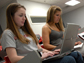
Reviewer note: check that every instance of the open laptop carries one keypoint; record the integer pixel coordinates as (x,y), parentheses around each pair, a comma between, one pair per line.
(31,57)
(68,43)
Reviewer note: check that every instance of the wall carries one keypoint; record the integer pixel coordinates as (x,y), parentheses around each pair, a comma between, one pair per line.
(3,15)
(75,16)
(35,9)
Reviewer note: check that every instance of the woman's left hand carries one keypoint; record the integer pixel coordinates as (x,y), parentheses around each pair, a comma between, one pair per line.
(79,42)
(56,51)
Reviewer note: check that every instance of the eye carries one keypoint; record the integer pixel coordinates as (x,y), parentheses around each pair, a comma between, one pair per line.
(57,15)
(20,15)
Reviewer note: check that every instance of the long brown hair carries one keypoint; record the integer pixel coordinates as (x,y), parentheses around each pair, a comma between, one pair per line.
(50,17)
(10,11)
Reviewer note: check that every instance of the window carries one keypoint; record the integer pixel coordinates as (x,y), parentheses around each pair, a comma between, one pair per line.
(38,19)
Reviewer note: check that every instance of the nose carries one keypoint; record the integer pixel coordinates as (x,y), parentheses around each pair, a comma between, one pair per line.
(59,17)
(24,17)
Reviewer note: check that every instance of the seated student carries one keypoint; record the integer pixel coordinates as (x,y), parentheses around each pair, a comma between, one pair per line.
(18,38)
(52,31)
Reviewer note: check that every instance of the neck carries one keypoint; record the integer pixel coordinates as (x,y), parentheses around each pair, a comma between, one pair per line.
(51,24)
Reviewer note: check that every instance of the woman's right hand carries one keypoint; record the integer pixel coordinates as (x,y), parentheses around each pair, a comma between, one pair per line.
(47,54)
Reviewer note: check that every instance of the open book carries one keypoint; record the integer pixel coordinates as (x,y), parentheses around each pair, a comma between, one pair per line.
(81,35)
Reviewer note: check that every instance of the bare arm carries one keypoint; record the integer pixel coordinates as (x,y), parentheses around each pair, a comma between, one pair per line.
(12,55)
(45,38)
(39,47)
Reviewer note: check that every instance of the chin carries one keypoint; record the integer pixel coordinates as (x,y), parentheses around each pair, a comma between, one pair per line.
(56,21)
(22,25)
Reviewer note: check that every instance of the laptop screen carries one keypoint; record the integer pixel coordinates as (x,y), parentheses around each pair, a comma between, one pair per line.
(69,37)
(0,30)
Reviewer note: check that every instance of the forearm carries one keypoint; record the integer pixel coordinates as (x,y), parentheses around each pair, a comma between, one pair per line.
(49,46)
(44,50)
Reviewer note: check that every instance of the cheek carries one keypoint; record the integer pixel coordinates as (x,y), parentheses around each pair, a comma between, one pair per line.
(55,18)
(16,20)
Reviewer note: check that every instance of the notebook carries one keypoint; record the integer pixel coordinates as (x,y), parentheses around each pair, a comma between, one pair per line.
(68,42)
(81,35)
(78,46)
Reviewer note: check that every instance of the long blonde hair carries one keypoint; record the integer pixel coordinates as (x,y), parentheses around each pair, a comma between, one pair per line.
(50,17)
(10,11)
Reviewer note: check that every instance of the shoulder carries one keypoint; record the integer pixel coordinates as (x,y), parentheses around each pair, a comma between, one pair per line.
(7,32)
(45,27)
